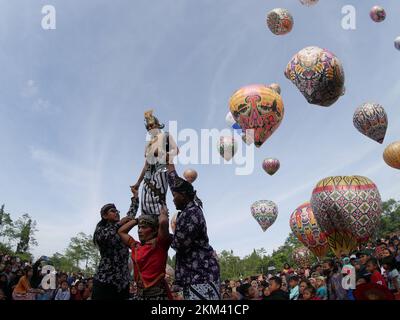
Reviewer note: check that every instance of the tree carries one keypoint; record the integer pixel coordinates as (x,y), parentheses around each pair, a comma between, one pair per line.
(82,249)
(7,228)
(390,219)
(25,229)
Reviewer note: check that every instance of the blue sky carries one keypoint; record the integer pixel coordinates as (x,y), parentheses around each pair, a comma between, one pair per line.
(72,103)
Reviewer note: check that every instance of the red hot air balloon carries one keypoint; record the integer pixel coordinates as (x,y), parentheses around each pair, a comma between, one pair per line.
(271,165)
(306,229)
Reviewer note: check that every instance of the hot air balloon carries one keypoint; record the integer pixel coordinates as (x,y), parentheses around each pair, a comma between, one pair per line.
(265,212)
(371,120)
(348,210)
(308,3)
(318,74)
(257,107)
(271,165)
(190,175)
(302,257)
(280,21)
(391,155)
(377,14)
(227,147)
(276,87)
(306,229)
(397,43)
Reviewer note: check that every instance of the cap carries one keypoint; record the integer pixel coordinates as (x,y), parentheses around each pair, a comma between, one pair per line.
(353,256)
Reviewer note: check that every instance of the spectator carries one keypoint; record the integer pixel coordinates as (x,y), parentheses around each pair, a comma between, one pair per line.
(294,287)
(275,291)
(63,292)
(334,281)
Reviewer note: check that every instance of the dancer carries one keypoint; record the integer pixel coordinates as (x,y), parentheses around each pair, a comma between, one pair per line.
(154,172)
(197,269)
(150,254)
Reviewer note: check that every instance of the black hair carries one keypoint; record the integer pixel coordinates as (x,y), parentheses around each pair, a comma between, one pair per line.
(294,278)
(390,261)
(374,261)
(286,264)
(277,280)
(311,289)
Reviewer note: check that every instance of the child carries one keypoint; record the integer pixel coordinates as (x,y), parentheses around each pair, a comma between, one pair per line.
(310,293)
(63,292)
(322,291)
(294,287)
(374,270)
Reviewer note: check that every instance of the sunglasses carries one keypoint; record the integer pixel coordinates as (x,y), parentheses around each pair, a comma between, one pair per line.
(114,210)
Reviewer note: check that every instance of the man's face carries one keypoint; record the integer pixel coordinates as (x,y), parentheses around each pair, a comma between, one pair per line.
(363,259)
(326,268)
(64,286)
(146,233)
(112,215)
(179,201)
(273,286)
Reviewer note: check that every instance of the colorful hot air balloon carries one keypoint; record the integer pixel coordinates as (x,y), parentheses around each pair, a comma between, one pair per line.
(271,165)
(347,209)
(276,87)
(265,212)
(280,21)
(308,3)
(391,155)
(302,257)
(371,120)
(257,107)
(318,74)
(377,14)
(306,229)
(227,147)
(397,43)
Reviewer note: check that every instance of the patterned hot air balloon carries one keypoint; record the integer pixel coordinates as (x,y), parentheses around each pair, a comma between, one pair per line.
(397,43)
(302,257)
(271,165)
(377,14)
(276,87)
(347,209)
(391,155)
(308,3)
(371,120)
(306,229)
(265,212)
(280,21)
(227,147)
(318,74)
(257,107)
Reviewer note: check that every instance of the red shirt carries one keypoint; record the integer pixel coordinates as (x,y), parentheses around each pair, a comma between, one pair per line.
(377,278)
(149,260)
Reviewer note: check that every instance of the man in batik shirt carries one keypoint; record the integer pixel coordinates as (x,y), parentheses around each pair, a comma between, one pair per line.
(196,269)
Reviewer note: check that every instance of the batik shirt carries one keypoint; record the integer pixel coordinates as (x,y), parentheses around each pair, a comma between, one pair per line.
(113,267)
(335,289)
(196,262)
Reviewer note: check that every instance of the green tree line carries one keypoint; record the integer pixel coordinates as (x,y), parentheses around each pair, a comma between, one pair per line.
(18,238)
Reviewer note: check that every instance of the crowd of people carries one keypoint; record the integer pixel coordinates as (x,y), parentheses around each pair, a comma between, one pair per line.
(370,272)
(21,280)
